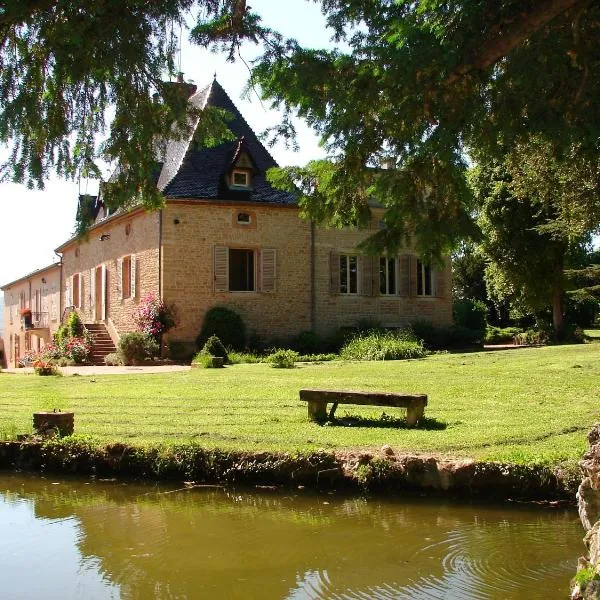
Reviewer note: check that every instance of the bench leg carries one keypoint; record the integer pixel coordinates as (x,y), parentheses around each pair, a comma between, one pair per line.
(413,414)
(317,411)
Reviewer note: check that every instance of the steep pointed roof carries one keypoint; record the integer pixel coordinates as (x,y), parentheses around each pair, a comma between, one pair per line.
(193,173)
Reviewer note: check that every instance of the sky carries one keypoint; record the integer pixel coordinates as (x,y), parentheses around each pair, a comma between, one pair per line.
(34,222)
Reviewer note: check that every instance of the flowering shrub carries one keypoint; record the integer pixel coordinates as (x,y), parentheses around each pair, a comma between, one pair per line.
(77,349)
(153,317)
(42,367)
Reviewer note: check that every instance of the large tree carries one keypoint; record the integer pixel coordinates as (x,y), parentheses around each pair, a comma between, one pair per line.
(537,215)
(418,86)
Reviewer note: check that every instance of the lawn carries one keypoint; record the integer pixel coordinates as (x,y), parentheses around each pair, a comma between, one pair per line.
(524,405)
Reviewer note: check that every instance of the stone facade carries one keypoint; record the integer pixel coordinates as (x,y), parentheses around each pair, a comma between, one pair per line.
(40,293)
(93,269)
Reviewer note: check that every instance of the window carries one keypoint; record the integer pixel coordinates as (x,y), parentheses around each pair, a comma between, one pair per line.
(387,276)
(244,218)
(348,274)
(241,270)
(126,277)
(424,279)
(240,178)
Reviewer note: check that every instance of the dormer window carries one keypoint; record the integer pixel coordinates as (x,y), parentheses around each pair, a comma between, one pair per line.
(240,178)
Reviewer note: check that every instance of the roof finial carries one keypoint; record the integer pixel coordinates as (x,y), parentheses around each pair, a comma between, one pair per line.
(215,76)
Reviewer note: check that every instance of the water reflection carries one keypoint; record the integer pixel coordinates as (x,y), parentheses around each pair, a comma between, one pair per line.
(91,539)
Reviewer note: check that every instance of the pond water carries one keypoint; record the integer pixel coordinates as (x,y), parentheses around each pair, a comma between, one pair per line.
(72,538)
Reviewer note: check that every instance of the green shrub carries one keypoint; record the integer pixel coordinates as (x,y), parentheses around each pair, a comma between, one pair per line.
(501,335)
(136,347)
(113,359)
(307,342)
(207,361)
(282,359)
(318,357)
(74,326)
(214,347)
(378,345)
(440,337)
(181,351)
(470,314)
(532,337)
(226,324)
(236,358)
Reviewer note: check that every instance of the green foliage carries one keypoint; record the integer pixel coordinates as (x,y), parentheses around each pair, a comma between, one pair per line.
(470,314)
(501,335)
(307,342)
(214,347)
(236,358)
(440,337)
(135,348)
(181,351)
(207,361)
(113,359)
(282,359)
(532,337)
(585,576)
(380,345)
(226,324)
(74,325)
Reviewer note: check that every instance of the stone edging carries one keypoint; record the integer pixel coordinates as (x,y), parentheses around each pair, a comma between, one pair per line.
(376,472)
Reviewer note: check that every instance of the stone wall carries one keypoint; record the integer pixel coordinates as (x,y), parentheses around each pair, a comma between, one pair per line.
(193,231)
(40,292)
(135,234)
(587,583)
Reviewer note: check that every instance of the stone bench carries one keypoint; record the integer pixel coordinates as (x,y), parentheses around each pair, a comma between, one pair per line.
(318,399)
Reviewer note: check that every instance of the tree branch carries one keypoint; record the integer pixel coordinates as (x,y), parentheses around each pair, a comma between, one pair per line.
(508,39)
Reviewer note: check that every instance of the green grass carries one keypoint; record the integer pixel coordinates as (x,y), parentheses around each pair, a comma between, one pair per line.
(525,405)
(593,334)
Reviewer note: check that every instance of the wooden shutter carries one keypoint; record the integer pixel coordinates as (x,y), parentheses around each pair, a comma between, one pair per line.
(133,275)
(104,274)
(81,290)
(268,270)
(334,273)
(221,268)
(119,281)
(92,294)
(404,275)
(68,301)
(365,275)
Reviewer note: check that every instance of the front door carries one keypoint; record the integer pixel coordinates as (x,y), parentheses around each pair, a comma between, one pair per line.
(99,300)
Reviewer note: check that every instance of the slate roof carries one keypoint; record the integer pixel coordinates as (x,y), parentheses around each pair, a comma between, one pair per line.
(192,173)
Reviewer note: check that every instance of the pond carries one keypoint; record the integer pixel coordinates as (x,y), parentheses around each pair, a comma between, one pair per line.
(66,538)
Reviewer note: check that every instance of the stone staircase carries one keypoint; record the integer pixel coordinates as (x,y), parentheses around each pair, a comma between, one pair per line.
(102,343)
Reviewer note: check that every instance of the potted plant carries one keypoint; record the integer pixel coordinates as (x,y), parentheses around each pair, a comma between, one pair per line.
(44,368)
(26,318)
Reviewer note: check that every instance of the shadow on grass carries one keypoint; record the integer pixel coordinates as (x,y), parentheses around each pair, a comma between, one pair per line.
(386,421)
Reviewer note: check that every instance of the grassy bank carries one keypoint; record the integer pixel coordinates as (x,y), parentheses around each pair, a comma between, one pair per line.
(524,406)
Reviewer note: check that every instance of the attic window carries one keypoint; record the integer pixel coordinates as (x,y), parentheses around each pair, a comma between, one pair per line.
(244,219)
(240,178)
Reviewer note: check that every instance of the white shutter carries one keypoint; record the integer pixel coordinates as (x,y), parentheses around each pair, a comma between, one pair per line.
(120,278)
(80,290)
(221,269)
(268,270)
(92,294)
(133,274)
(68,293)
(103,316)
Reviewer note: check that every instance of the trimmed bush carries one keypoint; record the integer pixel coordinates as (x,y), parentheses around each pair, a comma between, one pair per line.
(436,337)
(226,324)
(282,359)
(214,347)
(532,337)
(136,347)
(74,325)
(113,359)
(379,345)
(501,335)
(470,314)
(307,342)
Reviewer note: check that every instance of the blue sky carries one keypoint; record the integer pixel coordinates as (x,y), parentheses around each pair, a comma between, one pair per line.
(34,222)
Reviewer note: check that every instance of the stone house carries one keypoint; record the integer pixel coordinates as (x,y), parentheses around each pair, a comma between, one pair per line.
(226,237)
